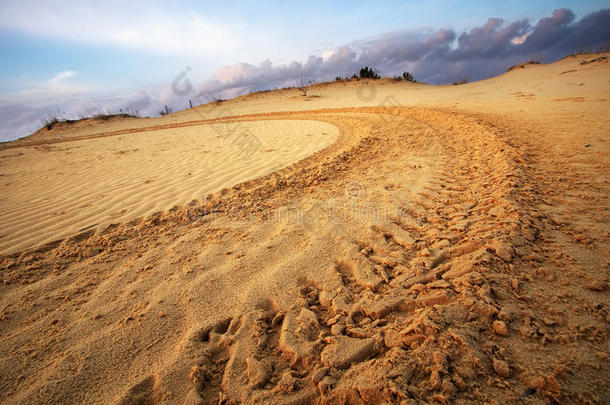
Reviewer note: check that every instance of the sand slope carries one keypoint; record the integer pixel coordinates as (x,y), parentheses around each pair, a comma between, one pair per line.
(54,190)
(451,244)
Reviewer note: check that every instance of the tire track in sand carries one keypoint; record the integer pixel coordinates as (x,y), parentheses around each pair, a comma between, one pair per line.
(398,290)
(397,312)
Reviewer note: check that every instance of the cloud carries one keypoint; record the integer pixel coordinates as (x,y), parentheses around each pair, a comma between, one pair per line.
(58,79)
(56,87)
(21,112)
(434,56)
(131,25)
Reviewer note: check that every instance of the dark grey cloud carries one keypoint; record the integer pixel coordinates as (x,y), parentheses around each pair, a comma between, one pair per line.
(558,35)
(551,30)
(434,56)
(489,41)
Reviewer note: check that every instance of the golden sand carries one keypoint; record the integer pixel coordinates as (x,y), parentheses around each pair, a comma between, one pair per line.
(387,242)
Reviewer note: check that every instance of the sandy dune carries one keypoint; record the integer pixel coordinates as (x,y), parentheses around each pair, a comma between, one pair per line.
(52,191)
(388,242)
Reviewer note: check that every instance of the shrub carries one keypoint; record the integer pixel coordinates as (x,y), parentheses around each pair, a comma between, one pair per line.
(303,85)
(369,73)
(49,121)
(121,114)
(408,77)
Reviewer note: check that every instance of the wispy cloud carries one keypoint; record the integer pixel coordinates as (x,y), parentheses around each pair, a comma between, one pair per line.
(59,79)
(56,87)
(132,25)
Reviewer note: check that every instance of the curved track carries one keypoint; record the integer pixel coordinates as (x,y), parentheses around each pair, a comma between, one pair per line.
(393,279)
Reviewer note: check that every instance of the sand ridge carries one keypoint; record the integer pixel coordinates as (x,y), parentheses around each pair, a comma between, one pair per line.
(428,254)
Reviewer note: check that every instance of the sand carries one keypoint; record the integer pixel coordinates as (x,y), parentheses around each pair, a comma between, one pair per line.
(52,191)
(387,242)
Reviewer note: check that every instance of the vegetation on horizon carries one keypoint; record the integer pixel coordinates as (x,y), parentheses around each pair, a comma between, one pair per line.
(303,85)
(50,120)
(406,76)
(372,73)
(369,73)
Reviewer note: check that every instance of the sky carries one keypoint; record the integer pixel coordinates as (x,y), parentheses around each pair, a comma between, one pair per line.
(76,58)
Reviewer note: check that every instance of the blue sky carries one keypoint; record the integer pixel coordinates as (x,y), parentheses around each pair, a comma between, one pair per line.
(55,52)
